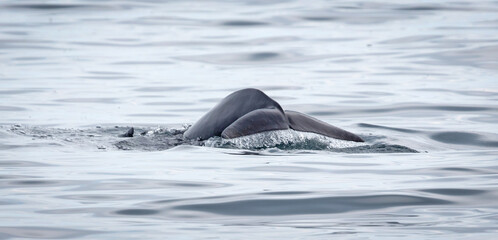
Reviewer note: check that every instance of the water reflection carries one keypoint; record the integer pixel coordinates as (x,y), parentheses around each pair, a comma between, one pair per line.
(324,205)
(42,232)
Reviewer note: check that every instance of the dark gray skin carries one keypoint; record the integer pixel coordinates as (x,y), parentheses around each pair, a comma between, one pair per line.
(249,111)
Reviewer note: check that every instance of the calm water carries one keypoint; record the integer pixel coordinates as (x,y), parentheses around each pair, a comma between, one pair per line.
(420,76)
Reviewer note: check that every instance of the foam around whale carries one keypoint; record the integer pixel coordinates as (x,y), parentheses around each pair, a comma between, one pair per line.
(283,139)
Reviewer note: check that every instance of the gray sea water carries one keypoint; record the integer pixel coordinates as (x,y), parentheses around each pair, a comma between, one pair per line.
(418,80)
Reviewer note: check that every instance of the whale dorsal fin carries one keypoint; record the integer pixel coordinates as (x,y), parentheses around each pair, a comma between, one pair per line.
(304,123)
(261,120)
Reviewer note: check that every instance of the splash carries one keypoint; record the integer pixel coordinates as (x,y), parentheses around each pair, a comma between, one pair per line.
(283,139)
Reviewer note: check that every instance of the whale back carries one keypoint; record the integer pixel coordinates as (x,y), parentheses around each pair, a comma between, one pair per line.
(260,120)
(304,123)
(231,108)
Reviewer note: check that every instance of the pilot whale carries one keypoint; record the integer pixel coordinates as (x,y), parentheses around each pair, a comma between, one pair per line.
(249,111)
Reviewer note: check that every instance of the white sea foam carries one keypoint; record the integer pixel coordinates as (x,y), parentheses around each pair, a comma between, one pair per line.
(284,139)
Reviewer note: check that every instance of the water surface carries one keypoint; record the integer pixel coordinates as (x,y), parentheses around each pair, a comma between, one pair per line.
(417,80)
